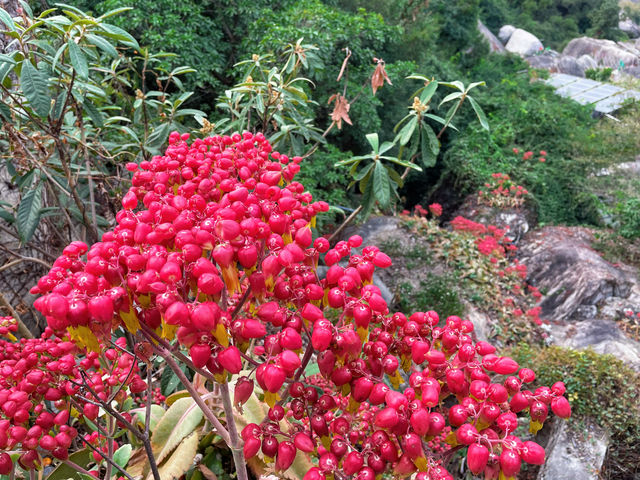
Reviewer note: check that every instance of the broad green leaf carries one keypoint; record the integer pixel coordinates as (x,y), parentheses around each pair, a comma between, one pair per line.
(418,77)
(113,12)
(94,113)
(405,134)
(386,146)
(368,201)
(428,92)
(34,86)
(7,216)
(122,456)
(475,84)
(156,414)
(168,381)
(158,136)
(57,56)
(428,158)
(457,84)
(395,177)
(403,163)
(121,35)
(351,160)
(102,44)
(381,185)
(83,457)
(372,138)
(7,20)
(181,460)
(28,215)
(362,173)
(434,143)
(440,120)
(480,113)
(179,420)
(6,58)
(78,59)
(26,8)
(59,104)
(451,96)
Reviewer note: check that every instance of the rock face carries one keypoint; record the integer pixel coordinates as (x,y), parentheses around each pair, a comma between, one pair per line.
(523,43)
(561,262)
(630,28)
(572,455)
(587,62)
(606,53)
(494,43)
(505,33)
(570,66)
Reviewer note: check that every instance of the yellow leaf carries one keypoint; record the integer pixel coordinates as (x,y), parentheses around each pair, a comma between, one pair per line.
(181,460)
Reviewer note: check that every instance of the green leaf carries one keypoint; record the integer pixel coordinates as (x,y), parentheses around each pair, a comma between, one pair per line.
(83,457)
(395,177)
(28,215)
(122,456)
(7,59)
(7,20)
(168,381)
(78,59)
(372,138)
(403,163)
(386,146)
(26,8)
(94,113)
(363,173)
(428,92)
(179,420)
(34,86)
(428,158)
(181,460)
(451,96)
(121,35)
(158,136)
(7,216)
(480,113)
(368,200)
(58,105)
(102,44)
(113,12)
(457,84)
(381,185)
(475,84)
(406,132)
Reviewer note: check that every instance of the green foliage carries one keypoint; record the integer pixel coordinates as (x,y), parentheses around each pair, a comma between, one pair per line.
(598,386)
(74,106)
(629,218)
(599,74)
(437,292)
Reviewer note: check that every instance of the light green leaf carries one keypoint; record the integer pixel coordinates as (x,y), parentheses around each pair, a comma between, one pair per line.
(158,136)
(113,12)
(78,59)
(94,113)
(428,92)
(381,185)
(7,20)
(28,215)
(403,163)
(475,84)
(179,420)
(181,460)
(102,44)
(405,134)
(121,35)
(122,456)
(372,138)
(457,84)
(480,113)
(428,158)
(83,457)
(364,172)
(386,146)
(395,177)
(34,86)
(7,59)
(451,96)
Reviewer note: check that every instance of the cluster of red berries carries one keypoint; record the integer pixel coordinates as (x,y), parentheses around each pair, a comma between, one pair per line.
(529,154)
(214,248)
(42,382)
(157,397)
(502,192)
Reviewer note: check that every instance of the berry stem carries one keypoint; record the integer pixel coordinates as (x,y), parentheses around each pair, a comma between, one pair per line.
(236,443)
(196,396)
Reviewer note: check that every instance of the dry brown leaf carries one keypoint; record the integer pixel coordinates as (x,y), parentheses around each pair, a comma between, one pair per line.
(344,63)
(207,473)
(340,110)
(379,75)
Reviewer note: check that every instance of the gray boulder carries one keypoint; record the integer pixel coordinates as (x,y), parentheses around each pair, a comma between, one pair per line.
(570,66)
(505,33)
(629,27)
(547,60)
(494,44)
(561,262)
(573,454)
(587,62)
(606,53)
(523,43)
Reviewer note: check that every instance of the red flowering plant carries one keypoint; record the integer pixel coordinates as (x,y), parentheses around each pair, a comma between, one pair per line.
(483,258)
(213,266)
(502,192)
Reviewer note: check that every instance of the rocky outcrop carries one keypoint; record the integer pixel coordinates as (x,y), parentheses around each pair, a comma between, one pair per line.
(561,263)
(629,27)
(505,33)
(606,53)
(575,455)
(494,44)
(523,43)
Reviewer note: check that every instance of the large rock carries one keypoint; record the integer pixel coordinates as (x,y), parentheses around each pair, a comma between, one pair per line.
(547,60)
(505,33)
(570,66)
(586,62)
(629,27)
(494,44)
(575,454)
(523,43)
(561,263)
(606,53)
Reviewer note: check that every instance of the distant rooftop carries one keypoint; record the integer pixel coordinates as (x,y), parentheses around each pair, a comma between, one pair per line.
(604,97)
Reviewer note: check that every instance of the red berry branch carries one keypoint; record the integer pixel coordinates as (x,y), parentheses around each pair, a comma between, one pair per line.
(213,253)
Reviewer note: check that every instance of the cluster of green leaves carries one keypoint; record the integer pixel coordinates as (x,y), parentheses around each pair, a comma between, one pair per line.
(599,74)
(436,292)
(75,106)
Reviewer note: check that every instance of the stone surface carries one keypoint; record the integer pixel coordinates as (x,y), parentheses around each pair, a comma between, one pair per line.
(606,53)
(494,44)
(575,455)
(505,33)
(587,62)
(561,263)
(547,60)
(523,43)
(629,27)
(570,66)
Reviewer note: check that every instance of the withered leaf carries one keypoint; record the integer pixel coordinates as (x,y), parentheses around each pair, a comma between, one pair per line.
(379,75)
(344,63)
(340,110)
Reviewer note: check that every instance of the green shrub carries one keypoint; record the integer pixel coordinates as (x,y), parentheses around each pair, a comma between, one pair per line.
(629,218)
(599,74)
(437,292)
